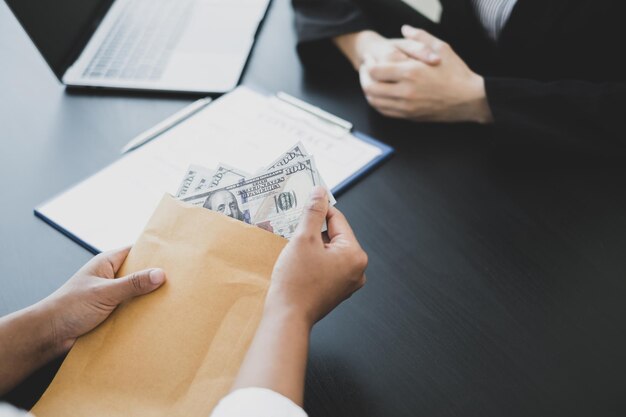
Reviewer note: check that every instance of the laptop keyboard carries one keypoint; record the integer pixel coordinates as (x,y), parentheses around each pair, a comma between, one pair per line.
(140,42)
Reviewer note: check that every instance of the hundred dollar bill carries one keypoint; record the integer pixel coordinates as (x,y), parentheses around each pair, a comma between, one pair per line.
(223,176)
(294,154)
(273,201)
(202,182)
(281,210)
(298,153)
(194,177)
(226,175)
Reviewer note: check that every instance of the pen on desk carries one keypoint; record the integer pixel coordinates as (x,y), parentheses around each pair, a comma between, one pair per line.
(166,124)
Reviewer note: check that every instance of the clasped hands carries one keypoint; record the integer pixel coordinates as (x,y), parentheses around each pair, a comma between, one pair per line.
(418,77)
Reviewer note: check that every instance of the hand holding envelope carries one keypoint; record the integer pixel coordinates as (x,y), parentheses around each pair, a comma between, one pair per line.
(174,352)
(177,351)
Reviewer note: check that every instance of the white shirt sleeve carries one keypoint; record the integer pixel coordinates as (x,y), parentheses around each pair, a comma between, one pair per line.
(7,410)
(247,402)
(257,402)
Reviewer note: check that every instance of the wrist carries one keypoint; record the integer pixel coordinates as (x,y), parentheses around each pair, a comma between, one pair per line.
(54,340)
(355,45)
(40,340)
(283,314)
(479,110)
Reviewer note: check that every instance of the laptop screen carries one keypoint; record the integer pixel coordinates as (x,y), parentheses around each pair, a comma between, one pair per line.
(59,28)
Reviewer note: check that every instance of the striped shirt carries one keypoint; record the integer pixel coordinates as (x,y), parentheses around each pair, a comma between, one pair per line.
(493,14)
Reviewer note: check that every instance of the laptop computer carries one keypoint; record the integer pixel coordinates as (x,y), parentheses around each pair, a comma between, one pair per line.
(165,45)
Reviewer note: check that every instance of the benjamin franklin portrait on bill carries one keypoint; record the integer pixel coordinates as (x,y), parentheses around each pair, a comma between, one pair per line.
(223,201)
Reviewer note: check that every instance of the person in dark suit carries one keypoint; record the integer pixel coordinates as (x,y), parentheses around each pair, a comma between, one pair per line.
(534,68)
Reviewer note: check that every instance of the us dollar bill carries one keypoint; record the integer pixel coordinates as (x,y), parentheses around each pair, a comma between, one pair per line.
(298,153)
(195,176)
(202,182)
(226,175)
(223,176)
(294,154)
(274,201)
(281,210)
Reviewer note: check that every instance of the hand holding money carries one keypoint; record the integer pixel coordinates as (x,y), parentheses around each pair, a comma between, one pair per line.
(312,276)
(272,199)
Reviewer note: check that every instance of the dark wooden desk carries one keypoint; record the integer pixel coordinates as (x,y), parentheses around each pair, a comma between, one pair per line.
(497,281)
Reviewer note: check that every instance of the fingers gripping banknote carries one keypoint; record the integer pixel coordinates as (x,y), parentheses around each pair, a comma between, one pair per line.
(296,154)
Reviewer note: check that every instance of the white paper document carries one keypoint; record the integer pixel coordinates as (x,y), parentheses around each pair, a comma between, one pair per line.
(243,129)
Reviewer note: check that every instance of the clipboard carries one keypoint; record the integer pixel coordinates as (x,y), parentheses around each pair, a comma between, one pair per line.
(244,128)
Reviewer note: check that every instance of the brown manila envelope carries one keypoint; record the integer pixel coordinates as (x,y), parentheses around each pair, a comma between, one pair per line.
(174,352)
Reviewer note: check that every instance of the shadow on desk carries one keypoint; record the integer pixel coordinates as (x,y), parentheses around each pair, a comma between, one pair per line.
(343,390)
(30,390)
(127,93)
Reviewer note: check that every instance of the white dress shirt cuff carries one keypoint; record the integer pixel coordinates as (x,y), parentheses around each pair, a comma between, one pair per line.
(257,402)
(7,410)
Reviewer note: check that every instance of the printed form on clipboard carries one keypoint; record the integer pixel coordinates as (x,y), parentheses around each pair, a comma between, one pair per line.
(244,128)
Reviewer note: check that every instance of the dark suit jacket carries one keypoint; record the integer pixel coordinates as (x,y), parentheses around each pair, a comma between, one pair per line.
(556,71)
